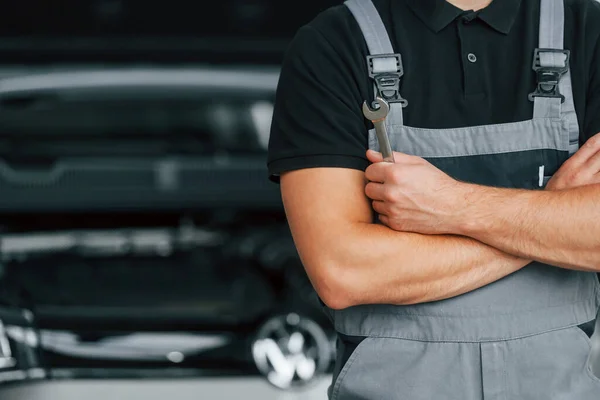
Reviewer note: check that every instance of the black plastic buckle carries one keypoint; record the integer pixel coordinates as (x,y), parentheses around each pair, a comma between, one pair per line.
(388,83)
(548,78)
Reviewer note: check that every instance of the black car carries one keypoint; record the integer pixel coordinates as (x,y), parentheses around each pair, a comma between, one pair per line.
(140,236)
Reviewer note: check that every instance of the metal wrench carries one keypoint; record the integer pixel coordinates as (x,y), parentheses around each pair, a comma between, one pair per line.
(377,117)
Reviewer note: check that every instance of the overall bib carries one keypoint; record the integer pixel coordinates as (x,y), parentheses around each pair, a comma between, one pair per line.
(515,339)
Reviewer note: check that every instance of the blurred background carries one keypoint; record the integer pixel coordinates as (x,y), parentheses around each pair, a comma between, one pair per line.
(143,252)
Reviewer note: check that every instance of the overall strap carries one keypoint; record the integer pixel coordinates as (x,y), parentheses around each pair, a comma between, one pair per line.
(385,66)
(553,97)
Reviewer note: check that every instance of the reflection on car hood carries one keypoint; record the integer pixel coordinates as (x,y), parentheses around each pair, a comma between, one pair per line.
(153,346)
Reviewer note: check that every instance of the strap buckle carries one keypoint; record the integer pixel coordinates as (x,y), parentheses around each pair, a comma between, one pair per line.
(387,80)
(548,78)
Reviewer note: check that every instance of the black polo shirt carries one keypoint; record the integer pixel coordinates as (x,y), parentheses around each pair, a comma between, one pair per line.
(461,69)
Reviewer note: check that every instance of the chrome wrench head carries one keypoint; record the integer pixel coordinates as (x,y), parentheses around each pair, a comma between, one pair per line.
(376,114)
(377,117)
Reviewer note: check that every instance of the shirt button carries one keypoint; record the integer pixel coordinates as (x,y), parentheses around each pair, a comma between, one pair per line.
(472,57)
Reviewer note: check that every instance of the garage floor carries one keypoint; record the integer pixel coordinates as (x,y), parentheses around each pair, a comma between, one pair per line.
(221,389)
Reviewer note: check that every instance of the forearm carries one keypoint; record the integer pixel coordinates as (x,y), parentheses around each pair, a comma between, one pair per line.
(351,261)
(382,266)
(560,228)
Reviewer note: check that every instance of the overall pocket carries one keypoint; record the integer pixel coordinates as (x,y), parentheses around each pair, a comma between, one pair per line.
(553,365)
(511,155)
(398,369)
(593,355)
(345,368)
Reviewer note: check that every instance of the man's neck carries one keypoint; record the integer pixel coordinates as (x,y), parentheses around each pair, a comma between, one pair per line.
(470,4)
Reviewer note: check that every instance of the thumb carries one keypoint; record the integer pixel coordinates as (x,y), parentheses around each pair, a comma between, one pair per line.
(376,157)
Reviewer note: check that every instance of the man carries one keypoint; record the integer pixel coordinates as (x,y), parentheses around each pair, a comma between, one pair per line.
(466,269)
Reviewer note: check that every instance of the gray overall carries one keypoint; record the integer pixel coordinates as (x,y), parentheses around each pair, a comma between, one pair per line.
(517,338)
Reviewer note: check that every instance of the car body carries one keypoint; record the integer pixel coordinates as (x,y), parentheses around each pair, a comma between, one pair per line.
(141,239)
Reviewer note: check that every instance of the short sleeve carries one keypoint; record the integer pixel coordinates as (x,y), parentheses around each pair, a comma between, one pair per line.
(317,119)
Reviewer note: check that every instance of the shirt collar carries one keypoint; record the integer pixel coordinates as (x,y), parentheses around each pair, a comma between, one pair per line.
(437,14)
(501,14)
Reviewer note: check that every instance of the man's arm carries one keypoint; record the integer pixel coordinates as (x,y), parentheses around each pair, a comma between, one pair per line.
(352,261)
(559,226)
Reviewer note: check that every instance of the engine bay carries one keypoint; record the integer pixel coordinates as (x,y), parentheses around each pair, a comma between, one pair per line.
(120,267)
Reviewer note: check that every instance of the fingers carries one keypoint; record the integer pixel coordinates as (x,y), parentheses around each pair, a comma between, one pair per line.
(376,157)
(375,191)
(380,207)
(378,172)
(593,164)
(384,220)
(586,152)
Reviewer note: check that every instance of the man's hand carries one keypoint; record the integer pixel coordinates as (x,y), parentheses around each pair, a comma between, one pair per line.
(581,169)
(412,195)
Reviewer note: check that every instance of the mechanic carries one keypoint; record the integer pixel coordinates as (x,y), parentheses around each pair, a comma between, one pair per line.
(466,268)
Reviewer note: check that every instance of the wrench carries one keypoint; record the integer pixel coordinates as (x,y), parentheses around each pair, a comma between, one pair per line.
(377,117)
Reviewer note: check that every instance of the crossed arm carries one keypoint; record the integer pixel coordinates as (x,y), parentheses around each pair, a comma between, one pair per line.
(440,238)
